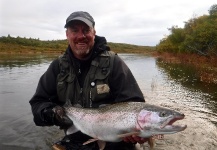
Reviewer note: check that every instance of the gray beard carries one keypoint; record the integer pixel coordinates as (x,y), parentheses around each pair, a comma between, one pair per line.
(82,53)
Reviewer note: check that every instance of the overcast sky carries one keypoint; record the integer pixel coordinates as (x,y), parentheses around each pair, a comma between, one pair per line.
(139,22)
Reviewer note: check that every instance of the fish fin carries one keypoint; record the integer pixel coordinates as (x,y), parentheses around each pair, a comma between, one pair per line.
(71,130)
(101,144)
(90,141)
(128,134)
(58,147)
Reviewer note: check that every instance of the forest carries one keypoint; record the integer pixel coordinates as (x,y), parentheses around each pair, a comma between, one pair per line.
(199,36)
(9,44)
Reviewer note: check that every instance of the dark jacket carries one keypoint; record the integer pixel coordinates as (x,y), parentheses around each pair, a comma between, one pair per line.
(123,85)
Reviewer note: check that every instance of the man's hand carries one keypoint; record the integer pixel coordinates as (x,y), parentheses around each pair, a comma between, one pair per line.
(60,118)
(135,139)
(57,116)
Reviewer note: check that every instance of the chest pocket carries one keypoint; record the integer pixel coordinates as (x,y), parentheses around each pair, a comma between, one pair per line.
(63,86)
(100,89)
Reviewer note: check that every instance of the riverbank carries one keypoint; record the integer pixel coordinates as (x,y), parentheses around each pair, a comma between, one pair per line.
(206,66)
(18,45)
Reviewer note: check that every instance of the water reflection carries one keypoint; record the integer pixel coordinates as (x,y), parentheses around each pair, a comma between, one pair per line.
(14,60)
(19,75)
(187,76)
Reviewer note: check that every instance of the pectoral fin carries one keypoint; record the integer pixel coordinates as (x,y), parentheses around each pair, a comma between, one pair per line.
(71,130)
(128,134)
(100,143)
(90,141)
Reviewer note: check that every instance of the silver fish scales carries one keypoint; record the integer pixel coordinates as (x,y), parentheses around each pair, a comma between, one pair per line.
(114,122)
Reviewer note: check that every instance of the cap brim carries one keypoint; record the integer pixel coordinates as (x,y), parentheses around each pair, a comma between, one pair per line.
(86,21)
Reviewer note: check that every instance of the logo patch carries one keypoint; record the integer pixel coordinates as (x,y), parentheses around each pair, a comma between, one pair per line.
(103,88)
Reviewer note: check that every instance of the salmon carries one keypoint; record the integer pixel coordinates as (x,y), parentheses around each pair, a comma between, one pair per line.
(112,123)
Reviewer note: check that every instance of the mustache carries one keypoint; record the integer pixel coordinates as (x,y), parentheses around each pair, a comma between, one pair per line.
(82,40)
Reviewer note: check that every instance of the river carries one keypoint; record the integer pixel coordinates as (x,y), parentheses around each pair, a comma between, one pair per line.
(170,85)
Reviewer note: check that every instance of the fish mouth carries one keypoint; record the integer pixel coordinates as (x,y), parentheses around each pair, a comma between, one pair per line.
(168,124)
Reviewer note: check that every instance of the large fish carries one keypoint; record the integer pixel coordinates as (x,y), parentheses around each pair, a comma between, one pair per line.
(114,122)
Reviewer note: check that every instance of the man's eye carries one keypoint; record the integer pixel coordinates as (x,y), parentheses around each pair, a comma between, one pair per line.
(86,31)
(74,30)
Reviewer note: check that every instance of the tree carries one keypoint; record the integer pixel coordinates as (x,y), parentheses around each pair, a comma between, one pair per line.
(213,10)
(199,35)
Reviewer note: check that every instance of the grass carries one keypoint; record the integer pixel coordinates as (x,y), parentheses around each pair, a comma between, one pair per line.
(205,66)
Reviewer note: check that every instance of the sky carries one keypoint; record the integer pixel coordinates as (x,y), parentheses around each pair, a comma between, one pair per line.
(138,22)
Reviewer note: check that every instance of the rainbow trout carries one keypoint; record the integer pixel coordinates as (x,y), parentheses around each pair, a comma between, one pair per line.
(114,122)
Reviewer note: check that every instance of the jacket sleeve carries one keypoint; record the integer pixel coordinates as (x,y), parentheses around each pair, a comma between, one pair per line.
(46,95)
(123,84)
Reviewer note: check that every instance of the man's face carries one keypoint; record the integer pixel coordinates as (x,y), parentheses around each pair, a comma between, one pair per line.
(81,38)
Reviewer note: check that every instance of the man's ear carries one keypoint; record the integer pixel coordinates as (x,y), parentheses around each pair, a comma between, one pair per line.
(94,31)
(67,33)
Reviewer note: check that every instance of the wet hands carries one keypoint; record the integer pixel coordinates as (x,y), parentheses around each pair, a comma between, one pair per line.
(57,116)
(60,118)
(135,139)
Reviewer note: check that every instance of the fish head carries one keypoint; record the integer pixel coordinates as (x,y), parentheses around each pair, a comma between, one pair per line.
(158,120)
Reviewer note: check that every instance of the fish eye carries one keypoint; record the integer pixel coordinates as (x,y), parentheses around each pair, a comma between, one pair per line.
(163,114)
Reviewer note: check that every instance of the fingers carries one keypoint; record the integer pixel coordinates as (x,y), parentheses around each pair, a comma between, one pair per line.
(60,118)
(129,139)
(159,137)
(59,111)
(135,139)
(141,140)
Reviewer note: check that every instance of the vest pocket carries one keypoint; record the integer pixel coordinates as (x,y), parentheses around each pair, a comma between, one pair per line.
(62,86)
(100,90)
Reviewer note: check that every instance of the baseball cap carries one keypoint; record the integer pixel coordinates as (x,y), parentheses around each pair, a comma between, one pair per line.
(82,16)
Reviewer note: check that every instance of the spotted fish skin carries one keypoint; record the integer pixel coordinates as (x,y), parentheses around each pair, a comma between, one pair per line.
(113,122)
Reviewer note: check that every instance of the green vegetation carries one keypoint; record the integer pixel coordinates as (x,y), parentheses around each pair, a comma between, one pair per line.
(23,45)
(199,36)
(128,48)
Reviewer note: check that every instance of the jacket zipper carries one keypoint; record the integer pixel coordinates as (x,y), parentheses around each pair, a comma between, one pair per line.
(90,98)
(81,97)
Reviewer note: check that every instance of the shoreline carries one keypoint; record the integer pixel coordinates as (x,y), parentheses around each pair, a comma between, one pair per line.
(206,68)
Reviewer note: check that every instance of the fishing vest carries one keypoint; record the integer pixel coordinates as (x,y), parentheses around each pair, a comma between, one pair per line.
(96,87)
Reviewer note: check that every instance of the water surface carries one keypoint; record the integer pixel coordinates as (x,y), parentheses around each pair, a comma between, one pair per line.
(160,82)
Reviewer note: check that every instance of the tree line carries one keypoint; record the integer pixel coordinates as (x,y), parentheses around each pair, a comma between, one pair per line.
(33,42)
(21,44)
(199,35)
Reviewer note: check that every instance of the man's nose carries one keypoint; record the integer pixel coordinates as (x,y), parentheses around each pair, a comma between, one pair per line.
(80,34)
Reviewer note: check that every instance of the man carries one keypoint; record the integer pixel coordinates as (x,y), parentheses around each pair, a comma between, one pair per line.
(87,75)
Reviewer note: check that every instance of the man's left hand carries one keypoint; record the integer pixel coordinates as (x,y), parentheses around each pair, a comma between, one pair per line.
(135,139)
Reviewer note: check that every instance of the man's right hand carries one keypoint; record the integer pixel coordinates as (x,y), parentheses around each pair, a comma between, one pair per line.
(57,116)
(60,118)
